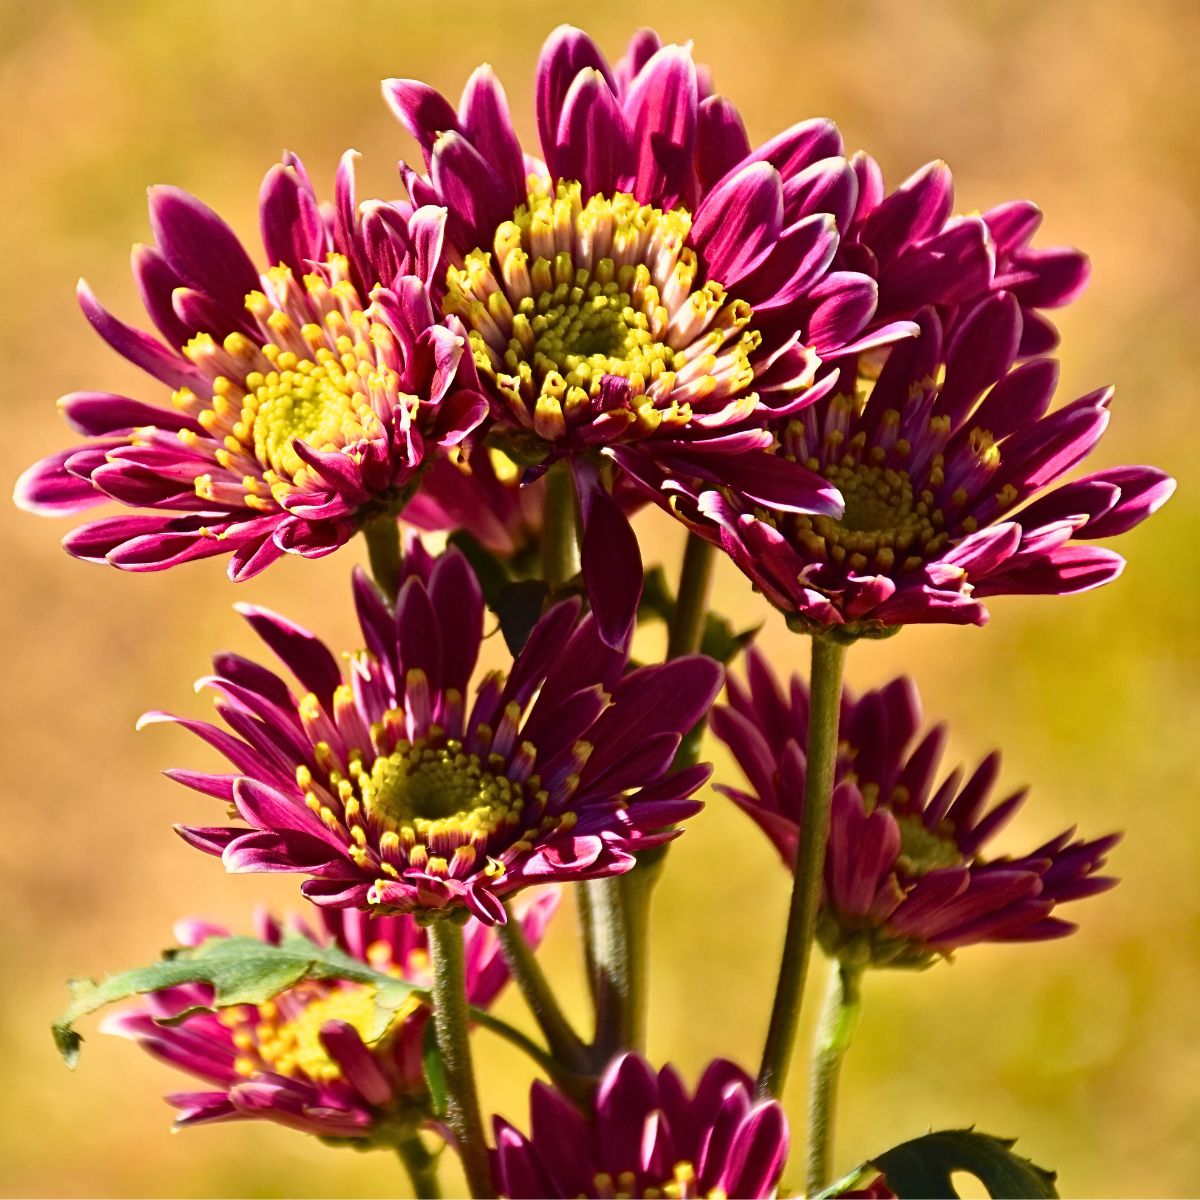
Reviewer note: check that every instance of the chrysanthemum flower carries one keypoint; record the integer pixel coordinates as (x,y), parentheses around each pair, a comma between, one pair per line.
(944,463)
(395,794)
(921,254)
(655,287)
(904,874)
(305,398)
(647,1137)
(306,1059)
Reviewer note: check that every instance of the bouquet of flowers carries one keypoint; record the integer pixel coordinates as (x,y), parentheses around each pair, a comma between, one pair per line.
(846,390)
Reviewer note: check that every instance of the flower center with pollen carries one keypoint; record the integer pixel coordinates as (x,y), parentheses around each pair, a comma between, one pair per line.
(886,524)
(923,849)
(680,1186)
(427,790)
(322,373)
(574,294)
(286,1037)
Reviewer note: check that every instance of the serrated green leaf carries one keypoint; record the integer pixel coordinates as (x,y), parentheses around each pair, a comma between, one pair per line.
(240,970)
(923,1167)
(518,606)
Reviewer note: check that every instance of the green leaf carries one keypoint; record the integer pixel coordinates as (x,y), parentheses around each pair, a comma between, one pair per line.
(519,605)
(721,643)
(435,1071)
(657,599)
(240,970)
(923,1167)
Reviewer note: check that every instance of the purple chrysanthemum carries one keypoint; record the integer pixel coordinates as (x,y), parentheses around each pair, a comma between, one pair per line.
(306,1059)
(647,1137)
(944,463)
(922,255)
(305,397)
(654,288)
(904,879)
(395,794)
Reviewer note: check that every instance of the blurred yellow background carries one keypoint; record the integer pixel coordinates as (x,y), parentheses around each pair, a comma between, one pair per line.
(1088,1049)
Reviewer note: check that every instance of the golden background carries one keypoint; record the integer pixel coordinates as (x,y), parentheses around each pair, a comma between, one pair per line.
(1087,1049)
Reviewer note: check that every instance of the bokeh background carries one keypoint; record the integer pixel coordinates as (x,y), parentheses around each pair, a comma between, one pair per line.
(1087,1049)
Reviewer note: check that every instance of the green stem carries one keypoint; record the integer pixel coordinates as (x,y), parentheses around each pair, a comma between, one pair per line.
(839,1017)
(691,601)
(620,1001)
(522,1041)
(637,887)
(383,552)
(450,1022)
(825,692)
(560,537)
(563,1041)
(421,1166)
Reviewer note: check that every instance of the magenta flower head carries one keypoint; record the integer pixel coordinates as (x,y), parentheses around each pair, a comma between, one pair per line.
(308,1059)
(921,254)
(395,794)
(905,879)
(305,399)
(948,464)
(647,1137)
(655,288)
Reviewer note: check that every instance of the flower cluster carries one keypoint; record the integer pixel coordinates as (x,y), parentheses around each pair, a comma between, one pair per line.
(309,1059)
(846,390)
(904,878)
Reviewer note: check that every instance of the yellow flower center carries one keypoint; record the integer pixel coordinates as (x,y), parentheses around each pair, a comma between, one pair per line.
(572,292)
(923,849)
(321,373)
(886,520)
(286,1038)
(681,1186)
(422,792)
(317,403)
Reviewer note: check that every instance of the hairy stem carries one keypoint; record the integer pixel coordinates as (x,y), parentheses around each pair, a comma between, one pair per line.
(525,969)
(691,601)
(421,1166)
(839,1018)
(825,689)
(620,1001)
(450,1021)
(383,551)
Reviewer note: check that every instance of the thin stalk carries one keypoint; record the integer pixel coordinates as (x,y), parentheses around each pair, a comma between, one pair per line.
(691,601)
(383,552)
(637,887)
(514,1037)
(525,969)
(618,993)
(450,1022)
(839,1017)
(828,658)
(421,1165)
(560,537)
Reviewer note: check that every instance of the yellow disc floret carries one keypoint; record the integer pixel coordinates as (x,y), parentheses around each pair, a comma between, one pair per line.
(572,292)
(323,373)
